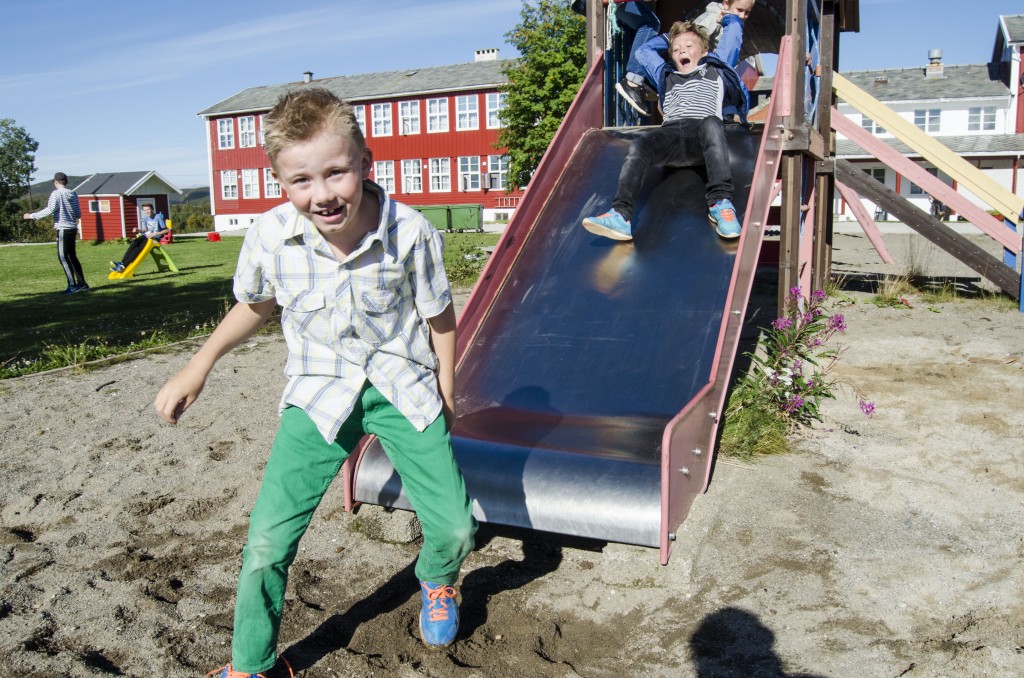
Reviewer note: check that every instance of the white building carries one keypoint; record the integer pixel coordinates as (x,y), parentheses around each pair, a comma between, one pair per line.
(971,109)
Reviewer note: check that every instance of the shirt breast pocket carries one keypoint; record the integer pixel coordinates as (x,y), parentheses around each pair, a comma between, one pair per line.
(380,313)
(306,313)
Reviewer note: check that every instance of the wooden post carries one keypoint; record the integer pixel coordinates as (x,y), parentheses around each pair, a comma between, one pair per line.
(824,171)
(791,170)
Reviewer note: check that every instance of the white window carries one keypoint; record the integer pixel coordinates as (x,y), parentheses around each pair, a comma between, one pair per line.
(917,190)
(263,123)
(229,184)
(412,176)
(247,131)
(384,171)
(497,171)
(440,175)
(437,115)
(871,126)
(878,174)
(467,113)
(250,183)
(469,173)
(271,187)
(360,112)
(382,120)
(99,205)
(496,101)
(409,117)
(225,133)
(981,119)
(927,119)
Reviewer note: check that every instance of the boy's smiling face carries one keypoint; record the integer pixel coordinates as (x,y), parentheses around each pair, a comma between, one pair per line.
(687,51)
(323,177)
(740,8)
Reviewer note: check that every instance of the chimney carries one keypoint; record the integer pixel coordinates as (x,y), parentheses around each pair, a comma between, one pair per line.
(490,54)
(307,76)
(934,67)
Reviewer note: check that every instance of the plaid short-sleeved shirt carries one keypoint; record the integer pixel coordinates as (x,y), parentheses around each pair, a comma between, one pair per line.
(352,320)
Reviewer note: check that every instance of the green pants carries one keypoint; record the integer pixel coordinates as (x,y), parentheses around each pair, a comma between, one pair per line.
(300,469)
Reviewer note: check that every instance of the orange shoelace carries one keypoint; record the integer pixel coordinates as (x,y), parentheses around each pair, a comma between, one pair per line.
(439,598)
(728,214)
(236,674)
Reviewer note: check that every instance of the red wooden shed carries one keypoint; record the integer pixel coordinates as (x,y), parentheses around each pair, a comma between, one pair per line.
(112,202)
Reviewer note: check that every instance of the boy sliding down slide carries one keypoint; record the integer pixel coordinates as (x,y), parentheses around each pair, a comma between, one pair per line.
(725,44)
(695,93)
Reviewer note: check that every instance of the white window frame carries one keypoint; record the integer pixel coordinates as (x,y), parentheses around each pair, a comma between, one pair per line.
(225,133)
(381,115)
(360,112)
(496,101)
(871,126)
(440,175)
(247,131)
(497,166)
(981,119)
(263,122)
(384,174)
(229,184)
(878,174)
(917,190)
(99,206)
(437,115)
(250,184)
(467,113)
(271,186)
(928,119)
(469,173)
(412,176)
(409,117)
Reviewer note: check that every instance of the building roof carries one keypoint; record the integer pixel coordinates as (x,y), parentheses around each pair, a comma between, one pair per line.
(1014,27)
(409,82)
(909,84)
(965,145)
(124,183)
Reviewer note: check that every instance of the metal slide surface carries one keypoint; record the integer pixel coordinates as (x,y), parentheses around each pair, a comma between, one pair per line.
(586,351)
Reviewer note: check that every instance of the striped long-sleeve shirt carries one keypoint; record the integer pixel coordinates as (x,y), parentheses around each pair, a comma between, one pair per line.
(63,205)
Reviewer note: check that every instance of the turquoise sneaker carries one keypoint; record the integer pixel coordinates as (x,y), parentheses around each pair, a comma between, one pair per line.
(723,215)
(439,616)
(609,225)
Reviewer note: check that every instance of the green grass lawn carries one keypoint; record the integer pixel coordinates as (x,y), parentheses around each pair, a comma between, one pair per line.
(41,329)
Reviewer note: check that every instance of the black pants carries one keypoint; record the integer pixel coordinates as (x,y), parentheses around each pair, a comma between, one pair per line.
(681,143)
(134,248)
(66,238)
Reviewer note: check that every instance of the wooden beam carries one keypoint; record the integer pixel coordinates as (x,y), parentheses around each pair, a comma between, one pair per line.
(931,149)
(934,230)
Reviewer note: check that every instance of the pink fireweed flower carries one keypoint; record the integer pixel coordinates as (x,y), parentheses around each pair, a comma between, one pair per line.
(794,404)
(867,407)
(837,323)
(818,295)
(782,323)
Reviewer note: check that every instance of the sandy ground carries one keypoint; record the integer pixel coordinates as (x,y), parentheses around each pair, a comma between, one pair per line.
(889,546)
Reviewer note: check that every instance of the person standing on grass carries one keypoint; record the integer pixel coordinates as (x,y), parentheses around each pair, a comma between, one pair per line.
(368,318)
(63,205)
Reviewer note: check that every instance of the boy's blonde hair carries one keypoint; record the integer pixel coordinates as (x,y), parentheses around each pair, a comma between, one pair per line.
(680,27)
(301,114)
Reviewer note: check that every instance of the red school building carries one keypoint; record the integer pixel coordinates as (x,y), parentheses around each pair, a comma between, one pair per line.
(432,132)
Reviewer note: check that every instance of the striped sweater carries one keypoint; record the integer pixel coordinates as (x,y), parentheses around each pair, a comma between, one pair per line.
(63,205)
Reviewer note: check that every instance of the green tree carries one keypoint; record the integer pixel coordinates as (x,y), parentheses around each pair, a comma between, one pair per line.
(17,163)
(551,40)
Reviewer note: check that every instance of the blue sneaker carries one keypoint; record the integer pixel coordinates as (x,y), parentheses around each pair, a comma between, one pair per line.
(439,616)
(610,225)
(723,215)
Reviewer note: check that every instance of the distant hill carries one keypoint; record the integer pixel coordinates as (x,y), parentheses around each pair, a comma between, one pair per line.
(43,188)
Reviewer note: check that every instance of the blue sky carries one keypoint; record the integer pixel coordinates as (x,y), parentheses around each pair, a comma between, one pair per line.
(108,86)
